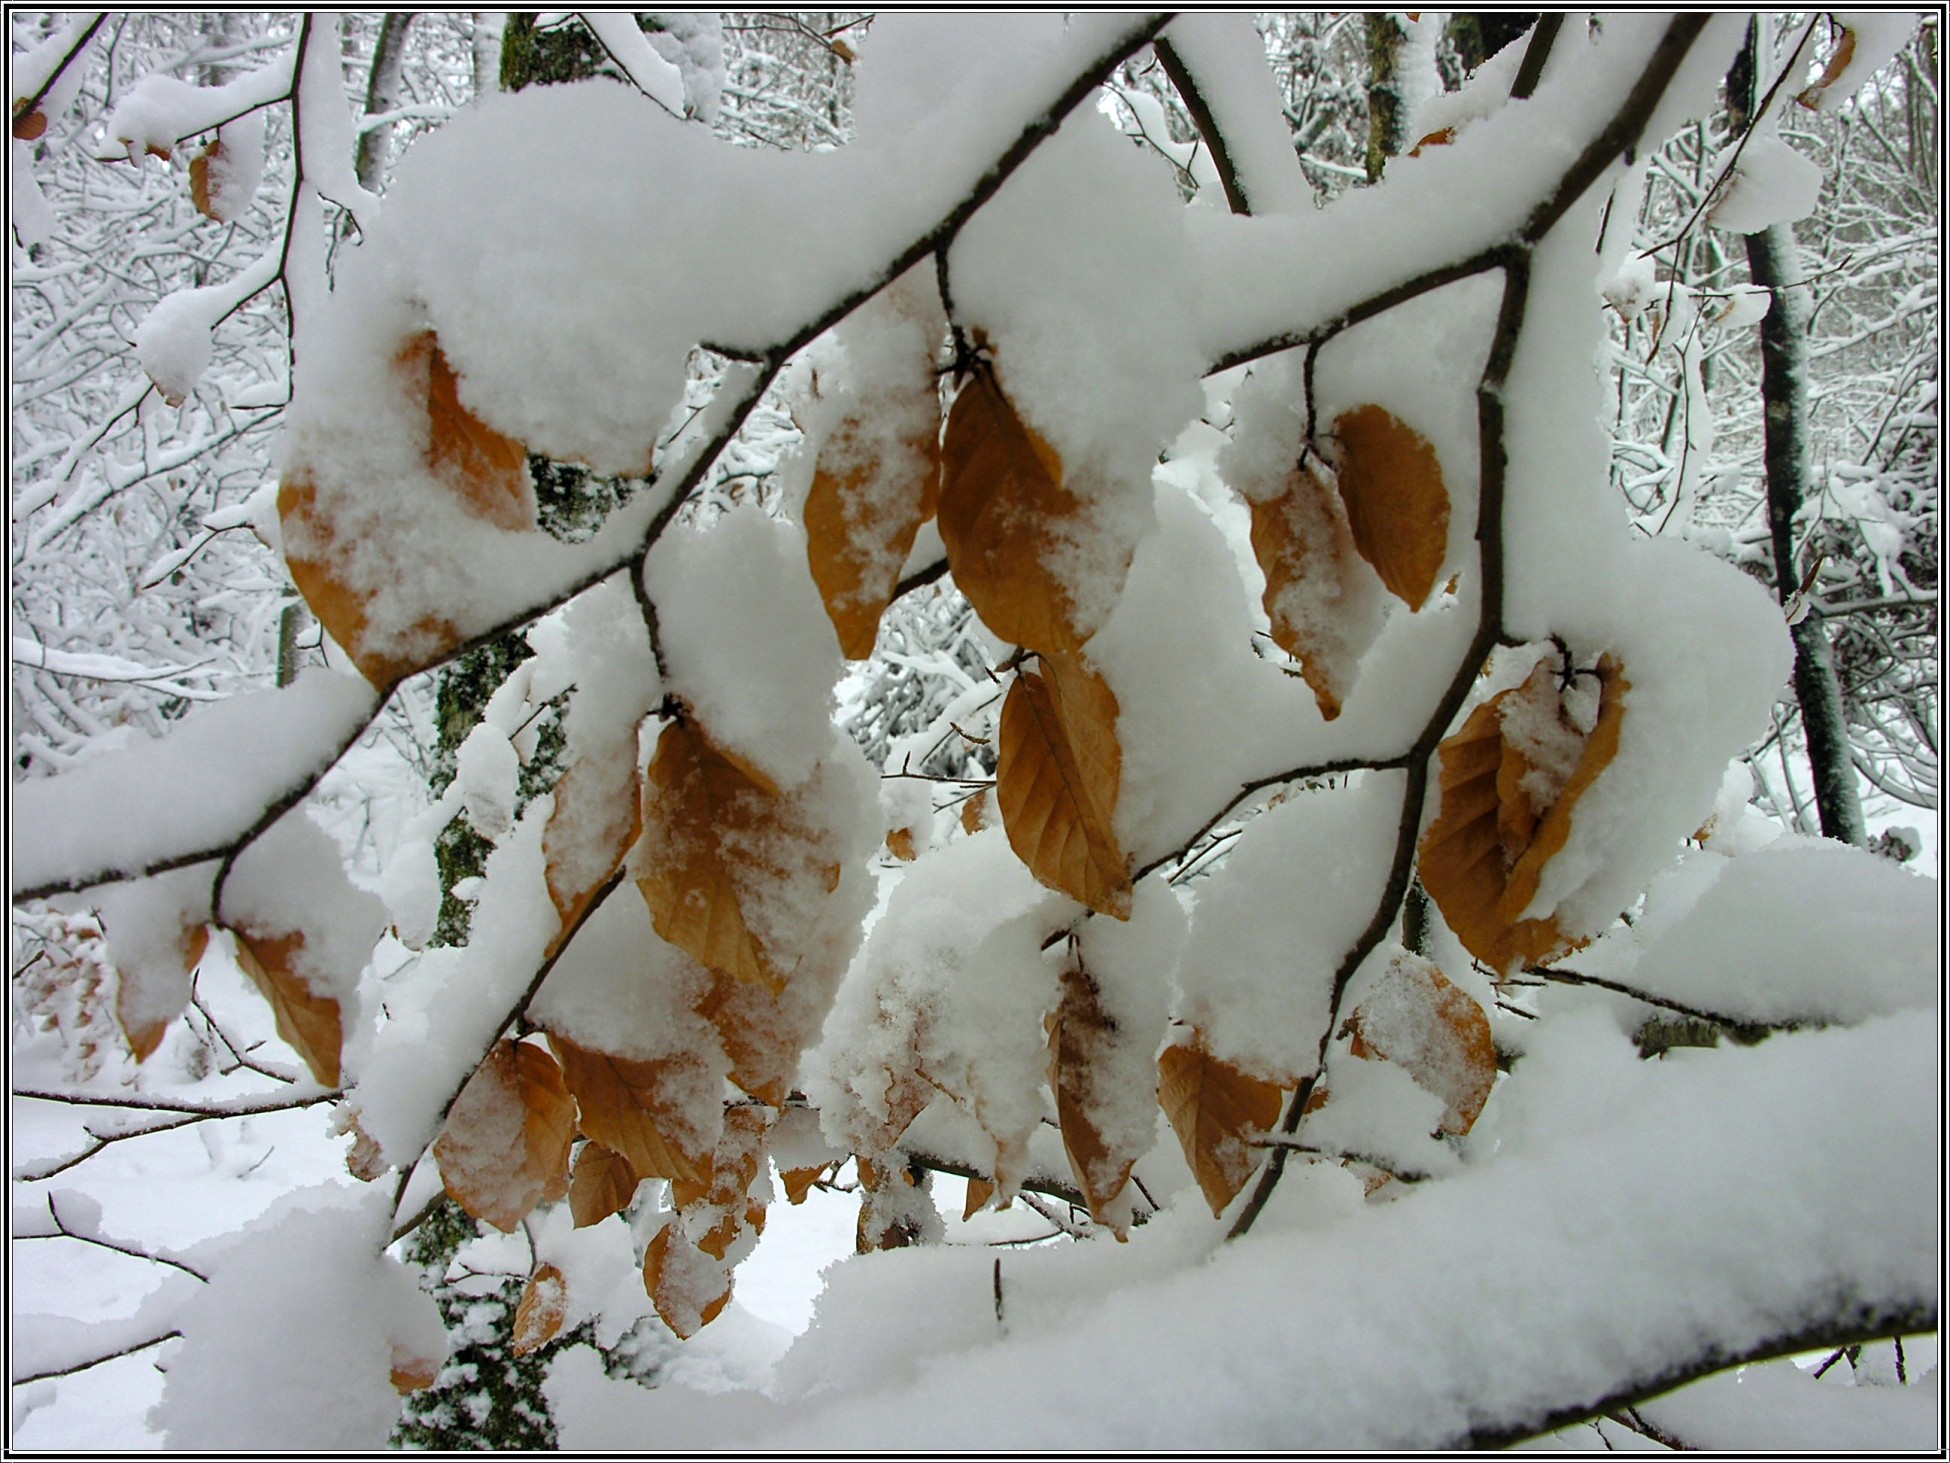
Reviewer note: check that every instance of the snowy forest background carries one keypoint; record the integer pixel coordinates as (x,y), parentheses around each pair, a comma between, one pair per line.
(189,190)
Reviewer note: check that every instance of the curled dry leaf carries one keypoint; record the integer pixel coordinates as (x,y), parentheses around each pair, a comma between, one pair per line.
(1441,137)
(1320,597)
(707,819)
(1081,1035)
(862,514)
(602,1184)
(365,1160)
(799,1182)
(414,1373)
(980,1191)
(1416,1018)
(505,1145)
(1838,64)
(144,1037)
(308,1023)
(1004,515)
(1058,769)
(200,178)
(900,843)
(1397,504)
(543,1307)
(688,1287)
(487,474)
(1219,1113)
(630,1107)
(976,814)
(30,126)
(1511,777)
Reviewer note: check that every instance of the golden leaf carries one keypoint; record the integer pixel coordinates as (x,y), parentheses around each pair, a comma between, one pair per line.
(144,1037)
(1414,1017)
(505,1145)
(414,1373)
(707,816)
(1058,768)
(900,843)
(688,1288)
(980,1191)
(1484,855)
(1218,1112)
(761,1042)
(599,800)
(975,812)
(1397,505)
(1441,137)
(1003,509)
(602,1184)
(1306,550)
(29,126)
(200,178)
(861,521)
(1838,63)
(1080,1036)
(543,1307)
(487,471)
(625,1105)
(308,1022)
(799,1182)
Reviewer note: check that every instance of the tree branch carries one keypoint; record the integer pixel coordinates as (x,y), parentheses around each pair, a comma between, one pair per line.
(1202,118)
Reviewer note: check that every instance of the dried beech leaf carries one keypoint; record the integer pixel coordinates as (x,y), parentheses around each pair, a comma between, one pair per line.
(414,1373)
(626,1106)
(861,521)
(975,812)
(505,1145)
(1441,137)
(487,471)
(688,1287)
(144,1037)
(1484,856)
(1003,511)
(30,126)
(308,1023)
(900,843)
(1837,65)
(1397,504)
(543,1307)
(1058,768)
(980,1191)
(1218,1112)
(762,1043)
(799,1182)
(1080,1035)
(597,818)
(602,1184)
(706,819)
(1414,1017)
(1305,548)
(200,178)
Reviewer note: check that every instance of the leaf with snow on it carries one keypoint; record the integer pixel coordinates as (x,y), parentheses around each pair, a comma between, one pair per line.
(505,1146)
(1081,1036)
(1414,1017)
(634,1108)
(1219,1114)
(602,1184)
(688,1287)
(869,499)
(308,1022)
(1397,503)
(543,1307)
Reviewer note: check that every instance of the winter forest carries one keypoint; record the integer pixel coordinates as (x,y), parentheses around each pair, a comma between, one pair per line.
(754,731)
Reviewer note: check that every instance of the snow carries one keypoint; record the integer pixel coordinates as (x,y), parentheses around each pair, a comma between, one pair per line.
(1227,59)
(654,76)
(191,792)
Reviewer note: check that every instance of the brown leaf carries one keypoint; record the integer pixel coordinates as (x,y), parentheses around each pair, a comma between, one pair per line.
(487,471)
(799,1181)
(1217,1111)
(308,1023)
(414,1373)
(862,514)
(688,1287)
(900,843)
(762,1043)
(704,813)
(1414,1017)
(1003,512)
(975,812)
(597,818)
(1058,768)
(1837,65)
(1397,504)
(602,1184)
(29,126)
(1441,137)
(1306,550)
(1080,1036)
(200,178)
(365,1160)
(505,1145)
(144,1037)
(625,1105)
(543,1307)
(980,1191)
(1484,856)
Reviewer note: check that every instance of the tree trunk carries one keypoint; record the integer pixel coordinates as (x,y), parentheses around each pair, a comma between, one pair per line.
(1387,119)
(382,95)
